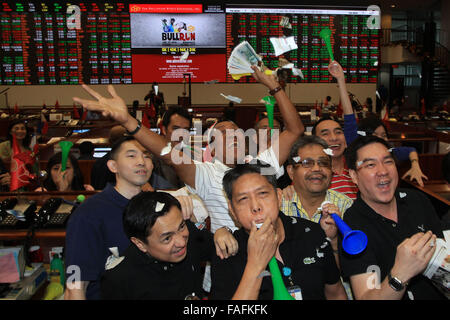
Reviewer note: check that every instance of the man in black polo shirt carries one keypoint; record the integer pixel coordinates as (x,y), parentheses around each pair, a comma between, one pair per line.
(164,259)
(401,226)
(303,254)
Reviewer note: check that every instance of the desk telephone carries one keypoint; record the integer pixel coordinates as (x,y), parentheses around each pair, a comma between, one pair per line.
(16,213)
(53,214)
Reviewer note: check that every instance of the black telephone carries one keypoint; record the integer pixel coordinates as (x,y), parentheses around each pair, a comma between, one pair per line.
(17,214)
(54,213)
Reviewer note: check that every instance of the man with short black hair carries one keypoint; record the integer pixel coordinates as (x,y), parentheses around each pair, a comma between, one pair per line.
(331,131)
(96,225)
(299,246)
(164,260)
(164,176)
(401,226)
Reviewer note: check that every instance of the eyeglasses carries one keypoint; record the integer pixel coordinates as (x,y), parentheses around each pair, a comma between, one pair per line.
(309,163)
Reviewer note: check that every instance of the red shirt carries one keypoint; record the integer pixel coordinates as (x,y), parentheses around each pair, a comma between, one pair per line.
(343,183)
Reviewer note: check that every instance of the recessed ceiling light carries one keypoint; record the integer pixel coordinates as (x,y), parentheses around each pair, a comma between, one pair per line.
(392,5)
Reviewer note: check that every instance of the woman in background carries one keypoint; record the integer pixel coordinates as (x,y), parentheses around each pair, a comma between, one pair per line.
(23,137)
(70,179)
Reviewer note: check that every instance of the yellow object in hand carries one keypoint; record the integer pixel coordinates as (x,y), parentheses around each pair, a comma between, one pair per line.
(240,75)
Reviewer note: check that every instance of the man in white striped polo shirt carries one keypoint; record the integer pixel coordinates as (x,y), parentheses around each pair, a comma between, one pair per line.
(205,179)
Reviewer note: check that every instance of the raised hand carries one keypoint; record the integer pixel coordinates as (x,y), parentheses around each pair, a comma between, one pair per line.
(335,69)
(113,107)
(415,173)
(269,81)
(413,255)
(327,222)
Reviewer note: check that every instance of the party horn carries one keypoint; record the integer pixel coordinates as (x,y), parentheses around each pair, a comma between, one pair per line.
(355,241)
(325,34)
(269,101)
(65,148)
(279,289)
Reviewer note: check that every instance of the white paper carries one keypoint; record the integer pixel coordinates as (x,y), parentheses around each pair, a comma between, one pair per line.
(283,44)
(232,98)
(159,206)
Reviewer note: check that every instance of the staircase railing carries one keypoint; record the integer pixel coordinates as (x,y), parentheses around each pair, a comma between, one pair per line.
(442,55)
(413,40)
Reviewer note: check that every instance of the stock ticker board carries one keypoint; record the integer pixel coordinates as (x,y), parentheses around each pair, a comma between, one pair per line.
(58,43)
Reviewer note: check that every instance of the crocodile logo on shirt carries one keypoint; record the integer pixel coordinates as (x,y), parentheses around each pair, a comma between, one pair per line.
(309,260)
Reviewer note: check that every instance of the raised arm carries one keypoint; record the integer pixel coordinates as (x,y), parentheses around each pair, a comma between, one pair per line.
(116,108)
(293,124)
(350,126)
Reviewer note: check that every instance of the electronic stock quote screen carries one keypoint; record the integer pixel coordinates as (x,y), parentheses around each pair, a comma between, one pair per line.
(93,42)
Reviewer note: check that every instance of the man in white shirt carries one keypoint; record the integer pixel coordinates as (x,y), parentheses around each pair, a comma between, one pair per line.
(205,179)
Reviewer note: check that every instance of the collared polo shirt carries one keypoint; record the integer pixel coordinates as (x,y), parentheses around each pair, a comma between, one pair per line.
(415,214)
(295,208)
(94,227)
(142,277)
(305,251)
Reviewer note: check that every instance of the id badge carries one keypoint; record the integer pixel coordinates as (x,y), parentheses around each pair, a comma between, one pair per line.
(295,292)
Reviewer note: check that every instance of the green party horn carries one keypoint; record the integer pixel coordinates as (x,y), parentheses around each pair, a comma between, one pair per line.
(65,148)
(279,289)
(325,34)
(269,101)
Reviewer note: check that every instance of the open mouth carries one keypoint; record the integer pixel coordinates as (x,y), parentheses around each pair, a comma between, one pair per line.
(384,185)
(316,179)
(141,172)
(335,146)
(180,252)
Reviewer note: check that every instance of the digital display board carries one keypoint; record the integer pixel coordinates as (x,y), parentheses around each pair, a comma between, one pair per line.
(88,42)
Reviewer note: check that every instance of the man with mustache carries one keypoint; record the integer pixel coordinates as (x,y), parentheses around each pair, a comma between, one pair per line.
(401,226)
(309,168)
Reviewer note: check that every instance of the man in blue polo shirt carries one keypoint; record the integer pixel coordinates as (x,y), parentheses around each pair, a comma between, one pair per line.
(95,228)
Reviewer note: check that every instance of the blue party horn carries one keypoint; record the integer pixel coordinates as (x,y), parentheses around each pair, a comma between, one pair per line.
(355,241)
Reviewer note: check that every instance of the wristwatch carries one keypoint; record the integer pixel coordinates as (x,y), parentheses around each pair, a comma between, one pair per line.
(132,133)
(396,283)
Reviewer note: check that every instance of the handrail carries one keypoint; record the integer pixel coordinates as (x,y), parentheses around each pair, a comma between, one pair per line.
(415,37)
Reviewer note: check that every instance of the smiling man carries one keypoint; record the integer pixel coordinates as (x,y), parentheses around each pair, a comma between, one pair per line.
(164,260)
(401,226)
(331,131)
(96,225)
(309,168)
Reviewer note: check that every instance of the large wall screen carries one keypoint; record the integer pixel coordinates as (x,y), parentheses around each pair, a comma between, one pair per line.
(124,43)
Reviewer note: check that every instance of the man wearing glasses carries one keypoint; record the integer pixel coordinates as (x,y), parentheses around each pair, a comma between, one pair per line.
(309,167)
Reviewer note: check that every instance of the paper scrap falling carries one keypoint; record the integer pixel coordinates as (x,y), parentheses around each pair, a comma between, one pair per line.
(296,159)
(166,149)
(159,206)
(328,151)
(295,71)
(184,56)
(283,44)
(284,22)
(361,133)
(232,98)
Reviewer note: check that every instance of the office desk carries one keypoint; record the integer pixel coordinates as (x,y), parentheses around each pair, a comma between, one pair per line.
(45,238)
(438,191)
(430,143)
